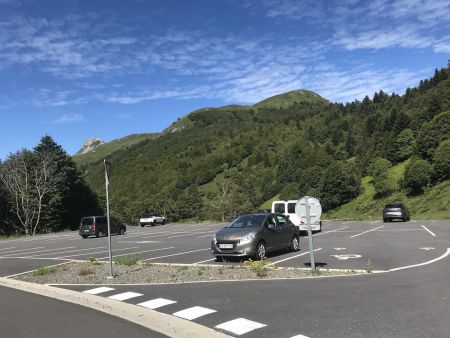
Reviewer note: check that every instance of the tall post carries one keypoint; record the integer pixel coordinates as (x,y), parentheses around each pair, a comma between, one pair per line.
(308,224)
(111,275)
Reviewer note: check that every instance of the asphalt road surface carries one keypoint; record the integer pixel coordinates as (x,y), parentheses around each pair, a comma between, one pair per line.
(409,297)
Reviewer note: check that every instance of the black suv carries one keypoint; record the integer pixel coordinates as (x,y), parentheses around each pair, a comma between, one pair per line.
(98,226)
(395,211)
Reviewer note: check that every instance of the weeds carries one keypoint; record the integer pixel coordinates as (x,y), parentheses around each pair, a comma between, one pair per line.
(85,272)
(260,266)
(93,261)
(369,266)
(44,270)
(127,260)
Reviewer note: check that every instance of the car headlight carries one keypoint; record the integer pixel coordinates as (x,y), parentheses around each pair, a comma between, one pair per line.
(214,239)
(248,237)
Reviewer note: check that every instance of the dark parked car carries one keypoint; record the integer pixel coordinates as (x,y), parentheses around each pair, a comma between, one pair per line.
(98,226)
(395,211)
(255,235)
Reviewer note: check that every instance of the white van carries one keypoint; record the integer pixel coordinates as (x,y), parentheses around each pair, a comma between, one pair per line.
(288,208)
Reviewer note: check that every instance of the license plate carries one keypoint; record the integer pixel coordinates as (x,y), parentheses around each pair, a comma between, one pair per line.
(225,246)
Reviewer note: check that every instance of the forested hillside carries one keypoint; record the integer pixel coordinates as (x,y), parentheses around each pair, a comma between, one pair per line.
(217,162)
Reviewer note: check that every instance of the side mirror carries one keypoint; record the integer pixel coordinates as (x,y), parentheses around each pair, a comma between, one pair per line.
(271,226)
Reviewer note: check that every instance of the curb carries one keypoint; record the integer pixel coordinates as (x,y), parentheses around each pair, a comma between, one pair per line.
(163,323)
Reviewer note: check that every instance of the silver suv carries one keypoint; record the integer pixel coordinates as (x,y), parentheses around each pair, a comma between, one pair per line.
(152,219)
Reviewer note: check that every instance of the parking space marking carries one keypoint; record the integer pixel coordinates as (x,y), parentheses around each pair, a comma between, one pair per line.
(99,290)
(427,249)
(194,312)
(192,234)
(240,326)
(47,251)
(207,260)
(302,254)
(365,232)
(424,263)
(329,232)
(91,253)
(126,295)
(204,236)
(300,336)
(431,233)
(13,247)
(345,257)
(138,252)
(22,250)
(156,303)
(177,254)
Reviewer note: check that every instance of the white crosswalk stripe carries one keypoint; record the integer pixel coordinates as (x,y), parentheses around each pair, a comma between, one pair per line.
(96,291)
(156,303)
(193,312)
(125,296)
(240,326)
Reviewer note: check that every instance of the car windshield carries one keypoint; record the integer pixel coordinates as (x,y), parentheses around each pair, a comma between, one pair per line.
(248,221)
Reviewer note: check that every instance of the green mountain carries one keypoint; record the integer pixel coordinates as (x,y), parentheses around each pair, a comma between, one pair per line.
(216,162)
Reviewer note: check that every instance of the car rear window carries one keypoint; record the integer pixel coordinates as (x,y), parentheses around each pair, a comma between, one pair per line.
(87,221)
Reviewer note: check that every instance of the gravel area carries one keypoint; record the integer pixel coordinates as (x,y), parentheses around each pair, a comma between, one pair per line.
(85,272)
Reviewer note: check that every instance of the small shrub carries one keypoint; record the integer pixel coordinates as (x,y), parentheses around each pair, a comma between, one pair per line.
(369,266)
(85,272)
(316,272)
(44,270)
(93,261)
(259,266)
(127,260)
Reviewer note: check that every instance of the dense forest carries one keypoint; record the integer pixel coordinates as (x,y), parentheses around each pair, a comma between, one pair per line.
(217,162)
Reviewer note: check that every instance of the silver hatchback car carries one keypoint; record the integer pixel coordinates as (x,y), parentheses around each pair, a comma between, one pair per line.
(255,235)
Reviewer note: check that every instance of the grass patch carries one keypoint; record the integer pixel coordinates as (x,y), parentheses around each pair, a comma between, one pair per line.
(127,260)
(260,267)
(44,270)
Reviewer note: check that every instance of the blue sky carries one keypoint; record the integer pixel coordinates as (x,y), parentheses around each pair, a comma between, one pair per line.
(80,69)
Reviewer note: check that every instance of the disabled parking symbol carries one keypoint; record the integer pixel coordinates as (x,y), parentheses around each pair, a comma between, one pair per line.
(345,257)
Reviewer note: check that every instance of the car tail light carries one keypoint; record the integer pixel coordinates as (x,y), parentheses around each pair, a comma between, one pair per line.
(93,226)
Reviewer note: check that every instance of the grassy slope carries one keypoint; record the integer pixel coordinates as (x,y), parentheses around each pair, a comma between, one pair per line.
(106,149)
(287,99)
(433,204)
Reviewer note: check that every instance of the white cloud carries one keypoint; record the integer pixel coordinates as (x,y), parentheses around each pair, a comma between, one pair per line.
(69,118)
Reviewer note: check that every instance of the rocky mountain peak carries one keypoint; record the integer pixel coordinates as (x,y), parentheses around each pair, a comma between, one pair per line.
(90,146)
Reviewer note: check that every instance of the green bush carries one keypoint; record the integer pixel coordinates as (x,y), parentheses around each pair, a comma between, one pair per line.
(44,270)
(441,161)
(127,260)
(380,174)
(417,176)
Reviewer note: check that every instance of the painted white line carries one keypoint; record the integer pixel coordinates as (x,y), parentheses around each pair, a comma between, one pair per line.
(282,260)
(97,291)
(431,233)
(240,326)
(96,252)
(193,312)
(300,336)
(192,234)
(13,247)
(138,252)
(177,254)
(47,252)
(424,263)
(39,247)
(25,272)
(208,260)
(329,232)
(125,296)
(204,236)
(427,248)
(37,258)
(365,232)
(156,303)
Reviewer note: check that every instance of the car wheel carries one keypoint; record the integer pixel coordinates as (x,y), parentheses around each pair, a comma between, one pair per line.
(320,226)
(84,236)
(142,225)
(99,233)
(122,231)
(295,244)
(163,222)
(384,220)
(260,250)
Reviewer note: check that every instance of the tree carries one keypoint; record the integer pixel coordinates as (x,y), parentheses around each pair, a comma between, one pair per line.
(417,176)
(380,174)
(441,161)
(433,133)
(28,178)
(340,184)
(405,144)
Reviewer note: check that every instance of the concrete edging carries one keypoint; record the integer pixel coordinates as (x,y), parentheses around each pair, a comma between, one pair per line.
(163,323)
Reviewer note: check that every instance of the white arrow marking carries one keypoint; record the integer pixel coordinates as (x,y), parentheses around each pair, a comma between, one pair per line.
(339,249)
(345,257)
(427,249)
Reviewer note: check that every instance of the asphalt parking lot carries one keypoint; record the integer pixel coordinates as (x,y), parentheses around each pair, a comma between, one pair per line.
(355,245)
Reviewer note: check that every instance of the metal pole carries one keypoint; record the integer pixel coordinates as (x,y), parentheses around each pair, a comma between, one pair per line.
(111,275)
(308,223)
